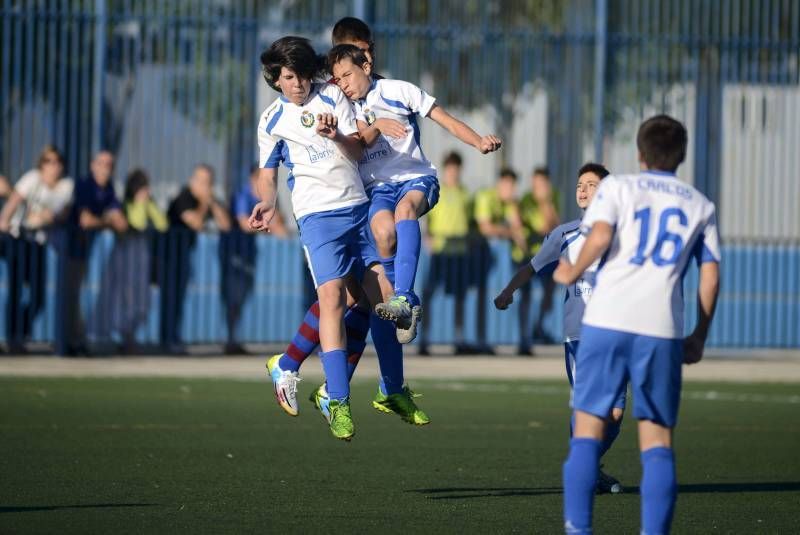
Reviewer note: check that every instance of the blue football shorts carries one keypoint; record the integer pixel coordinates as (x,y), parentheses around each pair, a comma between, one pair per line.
(337,242)
(608,359)
(386,196)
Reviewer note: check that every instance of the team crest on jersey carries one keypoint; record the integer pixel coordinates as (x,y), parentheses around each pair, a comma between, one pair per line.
(307,119)
(369,115)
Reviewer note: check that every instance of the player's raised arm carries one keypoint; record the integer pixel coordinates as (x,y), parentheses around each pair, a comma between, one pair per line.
(462,131)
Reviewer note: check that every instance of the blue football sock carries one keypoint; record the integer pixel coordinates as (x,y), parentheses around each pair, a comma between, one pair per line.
(612,432)
(390,355)
(288,363)
(580,480)
(305,341)
(334,363)
(408,245)
(659,489)
(356,323)
(388,268)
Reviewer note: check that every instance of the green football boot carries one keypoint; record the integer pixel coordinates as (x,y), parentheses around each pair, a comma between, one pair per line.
(401,404)
(341,419)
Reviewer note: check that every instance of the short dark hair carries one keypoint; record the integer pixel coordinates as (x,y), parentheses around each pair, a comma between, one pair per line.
(508,172)
(662,142)
(352,29)
(542,170)
(135,182)
(452,158)
(596,168)
(340,52)
(294,53)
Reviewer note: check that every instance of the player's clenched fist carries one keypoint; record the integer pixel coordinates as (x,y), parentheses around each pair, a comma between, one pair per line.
(489,143)
(261,216)
(503,300)
(326,125)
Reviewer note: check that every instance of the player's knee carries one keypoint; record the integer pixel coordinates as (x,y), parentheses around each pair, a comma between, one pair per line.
(405,210)
(385,238)
(331,297)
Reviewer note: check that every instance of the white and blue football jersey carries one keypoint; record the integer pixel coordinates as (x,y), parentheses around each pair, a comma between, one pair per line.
(392,160)
(660,224)
(566,241)
(321,178)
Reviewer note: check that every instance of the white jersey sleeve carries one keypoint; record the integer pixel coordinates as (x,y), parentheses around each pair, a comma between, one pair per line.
(707,248)
(414,98)
(269,148)
(546,260)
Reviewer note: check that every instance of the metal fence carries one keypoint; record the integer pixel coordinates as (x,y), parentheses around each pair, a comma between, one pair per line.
(167,84)
(169,290)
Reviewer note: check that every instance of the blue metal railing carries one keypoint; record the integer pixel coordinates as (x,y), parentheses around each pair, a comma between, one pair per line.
(260,283)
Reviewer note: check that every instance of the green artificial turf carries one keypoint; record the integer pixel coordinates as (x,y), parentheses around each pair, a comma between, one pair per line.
(219,456)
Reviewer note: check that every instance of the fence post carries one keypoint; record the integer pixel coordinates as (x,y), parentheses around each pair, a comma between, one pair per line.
(99,67)
(600,57)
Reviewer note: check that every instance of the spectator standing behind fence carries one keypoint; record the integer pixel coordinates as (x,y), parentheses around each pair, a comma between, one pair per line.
(539,212)
(124,300)
(237,255)
(498,216)
(447,237)
(188,214)
(95,207)
(39,200)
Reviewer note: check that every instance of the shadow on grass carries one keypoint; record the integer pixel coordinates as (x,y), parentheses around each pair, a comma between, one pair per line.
(32,508)
(471,492)
(462,493)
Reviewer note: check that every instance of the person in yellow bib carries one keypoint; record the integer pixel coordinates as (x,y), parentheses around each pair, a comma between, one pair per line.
(539,212)
(447,239)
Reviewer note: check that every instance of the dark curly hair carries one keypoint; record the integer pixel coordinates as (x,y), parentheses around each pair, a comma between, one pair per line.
(294,53)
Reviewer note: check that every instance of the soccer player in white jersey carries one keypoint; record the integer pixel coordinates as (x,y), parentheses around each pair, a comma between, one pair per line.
(566,240)
(646,228)
(400,180)
(311,129)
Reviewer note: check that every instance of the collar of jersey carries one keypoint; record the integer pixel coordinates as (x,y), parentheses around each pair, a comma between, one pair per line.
(659,173)
(372,85)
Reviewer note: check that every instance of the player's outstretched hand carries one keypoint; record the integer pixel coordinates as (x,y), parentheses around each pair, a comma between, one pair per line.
(563,273)
(489,143)
(504,299)
(391,128)
(326,125)
(261,216)
(693,349)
